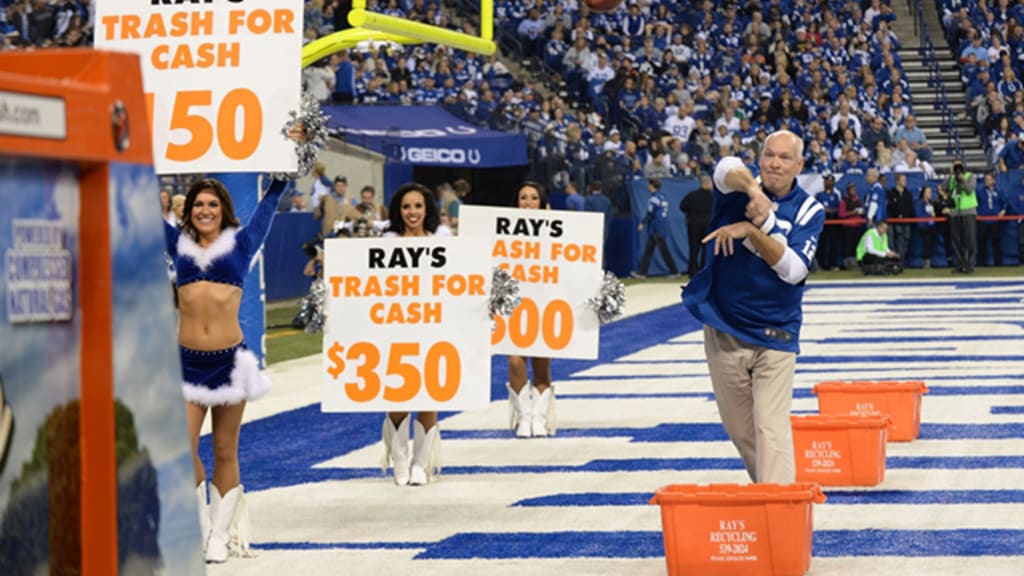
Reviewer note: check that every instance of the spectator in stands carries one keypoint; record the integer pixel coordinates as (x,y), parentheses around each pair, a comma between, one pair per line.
(901,205)
(874,133)
(177,209)
(915,138)
(319,79)
(875,201)
(573,200)
(344,79)
(1012,155)
(927,207)
(991,202)
(165,206)
(321,184)
(656,221)
(368,204)
(975,48)
(874,254)
(852,210)
(697,207)
(830,243)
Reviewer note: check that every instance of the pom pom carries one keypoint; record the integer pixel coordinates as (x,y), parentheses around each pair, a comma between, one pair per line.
(610,299)
(311,309)
(504,292)
(307,149)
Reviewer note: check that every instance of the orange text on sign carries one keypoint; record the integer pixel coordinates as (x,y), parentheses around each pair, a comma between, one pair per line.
(457,284)
(518,249)
(574,252)
(531,273)
(261,21)
(439,373)
(527,324)
(177,25)
(374,286)
(202,56)
(201,133)
(408,313)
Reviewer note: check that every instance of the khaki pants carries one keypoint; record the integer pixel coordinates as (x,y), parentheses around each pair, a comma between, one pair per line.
(754,391)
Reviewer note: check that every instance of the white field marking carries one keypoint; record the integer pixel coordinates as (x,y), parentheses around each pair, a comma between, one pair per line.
(670,368)
(381,512)
(867,348)
(916,516)
(578,451)
(368,562)
(892,565)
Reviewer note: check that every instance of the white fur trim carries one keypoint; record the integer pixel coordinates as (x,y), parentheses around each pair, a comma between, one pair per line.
(248,382)
(204,257)
(726,165)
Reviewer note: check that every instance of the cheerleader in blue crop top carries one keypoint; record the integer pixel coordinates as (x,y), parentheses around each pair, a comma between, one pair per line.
(212,255)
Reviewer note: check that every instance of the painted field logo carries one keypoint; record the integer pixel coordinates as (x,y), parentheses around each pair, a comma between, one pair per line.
(440,155)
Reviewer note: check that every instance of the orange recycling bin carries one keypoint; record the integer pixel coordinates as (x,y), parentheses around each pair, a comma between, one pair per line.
(900,400)
(738,530)
(840,450)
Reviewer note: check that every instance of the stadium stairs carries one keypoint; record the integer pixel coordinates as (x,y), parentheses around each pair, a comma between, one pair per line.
(939,96)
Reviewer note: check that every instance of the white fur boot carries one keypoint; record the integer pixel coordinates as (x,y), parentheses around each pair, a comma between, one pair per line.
(204,513)
(396,449)
(426,454)
(229,535)
(544,422)
(520,410)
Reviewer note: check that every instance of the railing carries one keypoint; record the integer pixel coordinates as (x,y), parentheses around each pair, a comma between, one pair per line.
(926,48)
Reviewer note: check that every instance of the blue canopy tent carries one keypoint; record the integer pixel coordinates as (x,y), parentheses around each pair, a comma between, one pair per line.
(415,136)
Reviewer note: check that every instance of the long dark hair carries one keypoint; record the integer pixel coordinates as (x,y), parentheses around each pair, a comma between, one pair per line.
(432,218)
(227,207)
(540,192)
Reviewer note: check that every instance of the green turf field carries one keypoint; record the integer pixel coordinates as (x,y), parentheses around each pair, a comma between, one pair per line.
(286,343)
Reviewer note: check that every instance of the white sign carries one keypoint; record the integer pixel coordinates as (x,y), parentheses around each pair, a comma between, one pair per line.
(220,77)
(32,115)
(556,256)
(407,325)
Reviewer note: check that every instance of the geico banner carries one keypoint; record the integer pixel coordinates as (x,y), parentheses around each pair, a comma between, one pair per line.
(425,155)
(556,256)
(407,325)
(220,77)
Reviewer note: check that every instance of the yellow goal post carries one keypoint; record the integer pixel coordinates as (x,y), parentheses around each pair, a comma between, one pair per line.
(374,27)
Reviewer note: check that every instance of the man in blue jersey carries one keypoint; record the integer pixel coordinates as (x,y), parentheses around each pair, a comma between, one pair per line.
(749,297)
(657,225)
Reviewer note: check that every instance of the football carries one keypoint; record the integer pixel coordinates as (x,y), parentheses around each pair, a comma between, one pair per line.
(602,5)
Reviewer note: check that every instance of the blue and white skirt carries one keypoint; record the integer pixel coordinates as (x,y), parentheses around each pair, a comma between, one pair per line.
(219,377)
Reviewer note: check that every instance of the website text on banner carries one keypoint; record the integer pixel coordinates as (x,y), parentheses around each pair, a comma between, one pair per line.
(556,256)
(220,78)
(407,325)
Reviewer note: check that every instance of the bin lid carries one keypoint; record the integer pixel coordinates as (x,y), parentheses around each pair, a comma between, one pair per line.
(731,494)
(835,422)
(917,386)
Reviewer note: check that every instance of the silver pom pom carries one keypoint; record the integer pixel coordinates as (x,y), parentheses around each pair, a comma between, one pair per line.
(610,299)
(504,292)
(311,308)
(314,123)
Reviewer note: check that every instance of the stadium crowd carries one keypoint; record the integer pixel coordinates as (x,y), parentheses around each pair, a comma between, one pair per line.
(658,88)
